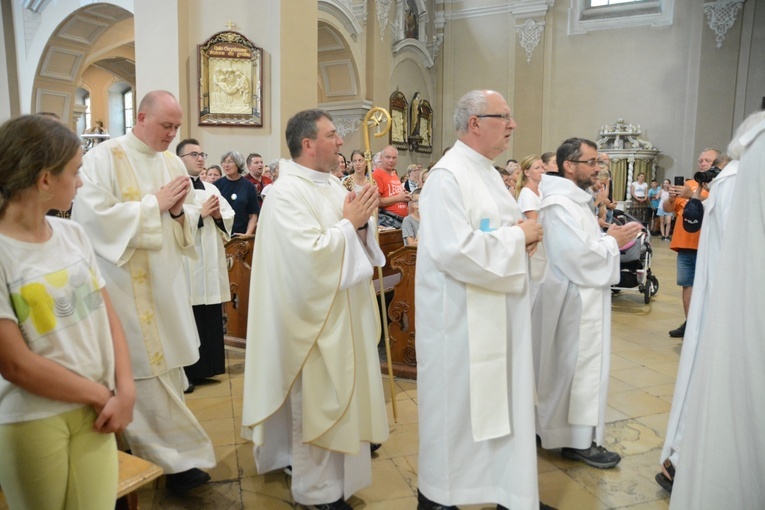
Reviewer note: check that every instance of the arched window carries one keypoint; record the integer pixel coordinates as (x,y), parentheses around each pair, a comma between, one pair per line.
(127,109)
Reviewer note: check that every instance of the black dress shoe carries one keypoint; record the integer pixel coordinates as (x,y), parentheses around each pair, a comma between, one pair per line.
(424,503)
(340,504)
(190,389)
(186,480)
(373,447)
(679,332)
(542,506)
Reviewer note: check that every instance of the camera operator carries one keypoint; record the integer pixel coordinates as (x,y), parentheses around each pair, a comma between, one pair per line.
(684,242)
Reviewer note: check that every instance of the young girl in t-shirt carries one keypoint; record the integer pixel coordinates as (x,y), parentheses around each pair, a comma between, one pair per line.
(66,383)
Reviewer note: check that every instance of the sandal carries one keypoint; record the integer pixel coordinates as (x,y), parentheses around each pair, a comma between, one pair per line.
(667,476)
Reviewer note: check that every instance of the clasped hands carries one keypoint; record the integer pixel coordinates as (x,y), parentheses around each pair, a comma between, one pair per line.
(359,206)
(171,196)
(533,232)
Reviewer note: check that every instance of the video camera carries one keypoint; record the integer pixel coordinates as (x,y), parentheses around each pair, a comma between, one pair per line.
(707,176)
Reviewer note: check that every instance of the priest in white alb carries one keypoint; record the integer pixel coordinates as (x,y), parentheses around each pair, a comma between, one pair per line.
(713,231)
(723,446)
(133,206)
(572,312)
(474,360)
(313,396)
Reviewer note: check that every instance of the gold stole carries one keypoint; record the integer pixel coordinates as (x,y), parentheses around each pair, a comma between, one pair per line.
(140,274)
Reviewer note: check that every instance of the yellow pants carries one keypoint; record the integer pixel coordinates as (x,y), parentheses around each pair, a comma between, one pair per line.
(58,463)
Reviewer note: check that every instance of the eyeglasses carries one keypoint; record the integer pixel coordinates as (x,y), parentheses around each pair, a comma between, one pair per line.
(195,155)
(592,163)
(504,116)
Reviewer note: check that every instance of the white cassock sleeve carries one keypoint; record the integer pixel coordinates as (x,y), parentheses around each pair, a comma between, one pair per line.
(359,258)
(494,260)
(586,259)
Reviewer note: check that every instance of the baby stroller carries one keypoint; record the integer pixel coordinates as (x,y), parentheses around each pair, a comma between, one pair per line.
(635,262)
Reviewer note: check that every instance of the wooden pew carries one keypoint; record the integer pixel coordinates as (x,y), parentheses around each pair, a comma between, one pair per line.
(239,260)
(401,325)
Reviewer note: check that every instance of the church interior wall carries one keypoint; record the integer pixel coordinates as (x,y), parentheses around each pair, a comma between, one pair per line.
(753,66)
(478,56)
(601,76)
(258,21)
(684,92)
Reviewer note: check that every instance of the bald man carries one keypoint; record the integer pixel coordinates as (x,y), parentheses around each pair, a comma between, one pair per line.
(136,207)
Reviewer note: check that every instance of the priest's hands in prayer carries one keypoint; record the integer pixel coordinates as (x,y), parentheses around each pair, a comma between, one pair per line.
(624,233)
(171,196)
(211,207)
(359,206)
(533,232)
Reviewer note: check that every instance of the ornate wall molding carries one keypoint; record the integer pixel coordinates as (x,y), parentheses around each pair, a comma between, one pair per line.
(383,11)
(346,126)
(530,33)
(347,116)
(721,15)
(343,11)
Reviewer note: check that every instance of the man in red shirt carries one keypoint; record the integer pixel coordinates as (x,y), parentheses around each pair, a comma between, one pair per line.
(255,167)
(394,198)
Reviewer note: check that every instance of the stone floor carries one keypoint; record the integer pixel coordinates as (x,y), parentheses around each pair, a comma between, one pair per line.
(643,367)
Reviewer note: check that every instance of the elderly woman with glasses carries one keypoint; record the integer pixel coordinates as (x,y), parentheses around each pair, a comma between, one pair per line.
(240,193)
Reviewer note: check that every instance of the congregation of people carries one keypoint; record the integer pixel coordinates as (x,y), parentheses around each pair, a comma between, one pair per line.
(109,318)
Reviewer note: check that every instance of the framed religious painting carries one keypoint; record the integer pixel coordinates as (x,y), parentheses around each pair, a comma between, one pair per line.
(423,134)
(398,134)
(230,81)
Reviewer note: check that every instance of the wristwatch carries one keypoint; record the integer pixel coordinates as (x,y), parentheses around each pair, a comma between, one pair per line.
(176,216)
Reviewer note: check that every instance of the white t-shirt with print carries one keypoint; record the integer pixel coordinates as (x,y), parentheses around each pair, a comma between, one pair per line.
(52,290)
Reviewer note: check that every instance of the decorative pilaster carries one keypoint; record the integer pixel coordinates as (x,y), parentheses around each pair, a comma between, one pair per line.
(383,11)
(721,16)
(530,33)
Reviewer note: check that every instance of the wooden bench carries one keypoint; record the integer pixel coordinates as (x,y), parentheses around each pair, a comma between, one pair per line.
(133,474)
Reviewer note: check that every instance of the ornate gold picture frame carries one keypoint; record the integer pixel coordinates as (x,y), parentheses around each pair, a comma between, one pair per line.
(230,81)
(399,130)
(421,138)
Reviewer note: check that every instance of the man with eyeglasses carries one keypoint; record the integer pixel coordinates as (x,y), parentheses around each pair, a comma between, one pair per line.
(138,211)
(474,361)
(207,275)
(572,313)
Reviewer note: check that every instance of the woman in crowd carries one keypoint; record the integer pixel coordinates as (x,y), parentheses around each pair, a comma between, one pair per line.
(213,174)
(342,164)
(639,194)
(240,193)
(359,177)
(66,383)
(549,160)
(665,218)
(273,169)
(527,188)
(413,181)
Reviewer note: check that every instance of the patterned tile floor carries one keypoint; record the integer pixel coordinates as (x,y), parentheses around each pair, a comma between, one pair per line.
(643,367)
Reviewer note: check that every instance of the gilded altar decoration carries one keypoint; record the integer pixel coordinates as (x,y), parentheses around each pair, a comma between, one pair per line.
(230,81)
